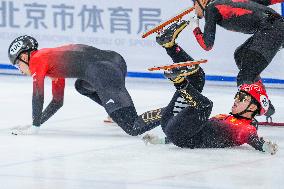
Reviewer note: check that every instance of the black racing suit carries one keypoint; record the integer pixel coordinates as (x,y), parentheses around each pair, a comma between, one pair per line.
(100,76)
(248,17)
(185,121)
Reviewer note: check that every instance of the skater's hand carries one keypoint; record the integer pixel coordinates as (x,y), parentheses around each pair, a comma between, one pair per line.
(153,139)
(270,147)
(193,22)
(25,130)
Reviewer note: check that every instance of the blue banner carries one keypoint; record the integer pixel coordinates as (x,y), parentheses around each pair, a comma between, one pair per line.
(282,8)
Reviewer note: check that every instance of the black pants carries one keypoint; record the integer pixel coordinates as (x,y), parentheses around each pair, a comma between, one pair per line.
(121,108)
(185,128)
(257,52)
(184,117)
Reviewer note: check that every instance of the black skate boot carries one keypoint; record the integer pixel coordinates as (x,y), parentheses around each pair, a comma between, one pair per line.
(167,37)
(270,112)
(178,75)
(191,95)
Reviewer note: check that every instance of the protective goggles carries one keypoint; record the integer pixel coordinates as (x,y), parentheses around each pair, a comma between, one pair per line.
(241,96)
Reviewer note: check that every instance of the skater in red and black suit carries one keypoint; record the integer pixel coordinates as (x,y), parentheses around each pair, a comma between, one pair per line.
(185,121)
(248,17)
(100,76)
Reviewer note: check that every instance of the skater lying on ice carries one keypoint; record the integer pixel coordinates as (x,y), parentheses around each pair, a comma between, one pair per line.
(185,121)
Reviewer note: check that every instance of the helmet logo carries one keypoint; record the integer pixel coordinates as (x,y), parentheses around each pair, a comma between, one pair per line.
(255,88)
(264,102)
(16,47)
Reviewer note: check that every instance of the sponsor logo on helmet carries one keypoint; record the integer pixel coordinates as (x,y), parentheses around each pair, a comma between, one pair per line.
(255,88)
(16,47)
(264,102)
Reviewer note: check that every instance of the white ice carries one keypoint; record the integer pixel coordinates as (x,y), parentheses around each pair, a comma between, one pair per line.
(76,150)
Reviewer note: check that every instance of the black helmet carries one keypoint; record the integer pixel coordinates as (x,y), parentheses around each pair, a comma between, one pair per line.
(21,44)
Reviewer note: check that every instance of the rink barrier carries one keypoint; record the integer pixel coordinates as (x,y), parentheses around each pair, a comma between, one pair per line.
(271,124)
(8,70)
(208,77)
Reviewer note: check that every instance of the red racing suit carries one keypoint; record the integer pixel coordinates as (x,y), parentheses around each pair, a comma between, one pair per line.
(227,131)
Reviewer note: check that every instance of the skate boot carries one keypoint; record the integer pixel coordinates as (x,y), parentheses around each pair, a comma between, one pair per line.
(168,36)
(178,75)
(270,112)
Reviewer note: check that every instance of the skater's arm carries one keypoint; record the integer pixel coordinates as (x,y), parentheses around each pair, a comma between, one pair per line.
(262,145)
(256,142)
(248,134)
(38,97)
(207,38)
(58,85)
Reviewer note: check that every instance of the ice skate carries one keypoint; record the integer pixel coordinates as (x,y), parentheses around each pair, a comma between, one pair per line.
(177,75)
(167,37)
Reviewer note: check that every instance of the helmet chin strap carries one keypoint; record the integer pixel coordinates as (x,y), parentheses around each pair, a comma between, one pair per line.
(203,8)
(29,56)
(200,5)
(244,111)
(27,63)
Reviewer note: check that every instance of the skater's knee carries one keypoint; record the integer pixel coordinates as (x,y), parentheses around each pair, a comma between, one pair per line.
(82,88)
(78,86)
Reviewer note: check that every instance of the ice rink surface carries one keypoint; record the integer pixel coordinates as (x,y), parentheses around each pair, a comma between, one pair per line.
(76,150)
